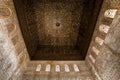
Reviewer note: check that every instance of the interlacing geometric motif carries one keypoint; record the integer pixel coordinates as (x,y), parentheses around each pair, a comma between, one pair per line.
(114,3)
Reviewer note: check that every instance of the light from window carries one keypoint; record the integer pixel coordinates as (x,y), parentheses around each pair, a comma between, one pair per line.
(66,68)
(110,13)
(99,40)
(38,68)
(76,69)
(104,28)
(95,50)
(57,68)
(48,68)
(92,59)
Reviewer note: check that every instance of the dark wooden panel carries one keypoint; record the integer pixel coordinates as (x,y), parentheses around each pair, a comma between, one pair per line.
(30,41)
(62,26)
(57,22)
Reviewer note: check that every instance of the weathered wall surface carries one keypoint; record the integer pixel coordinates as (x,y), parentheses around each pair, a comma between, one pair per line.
(103,56)
(33,73)
(13,53)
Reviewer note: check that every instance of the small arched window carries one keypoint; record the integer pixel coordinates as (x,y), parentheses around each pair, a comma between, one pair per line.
(48,68)
(104,28)
(95,50)
(99,40)
(110,13)
(38,68)
(66,68)
(57,68)
(76,69)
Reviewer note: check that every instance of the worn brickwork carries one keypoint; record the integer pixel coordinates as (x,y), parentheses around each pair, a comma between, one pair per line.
(13,53)
(105,61)
(31,73)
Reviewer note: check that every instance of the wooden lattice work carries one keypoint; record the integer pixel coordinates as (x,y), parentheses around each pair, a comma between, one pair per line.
(114,3)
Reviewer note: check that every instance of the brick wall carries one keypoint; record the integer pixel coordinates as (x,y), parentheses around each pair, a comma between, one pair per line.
(103,56)
(13,53)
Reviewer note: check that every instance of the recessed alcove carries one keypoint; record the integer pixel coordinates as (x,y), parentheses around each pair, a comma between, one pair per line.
(57,29)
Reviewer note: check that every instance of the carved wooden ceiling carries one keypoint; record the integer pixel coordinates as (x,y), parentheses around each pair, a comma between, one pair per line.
(57,26)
